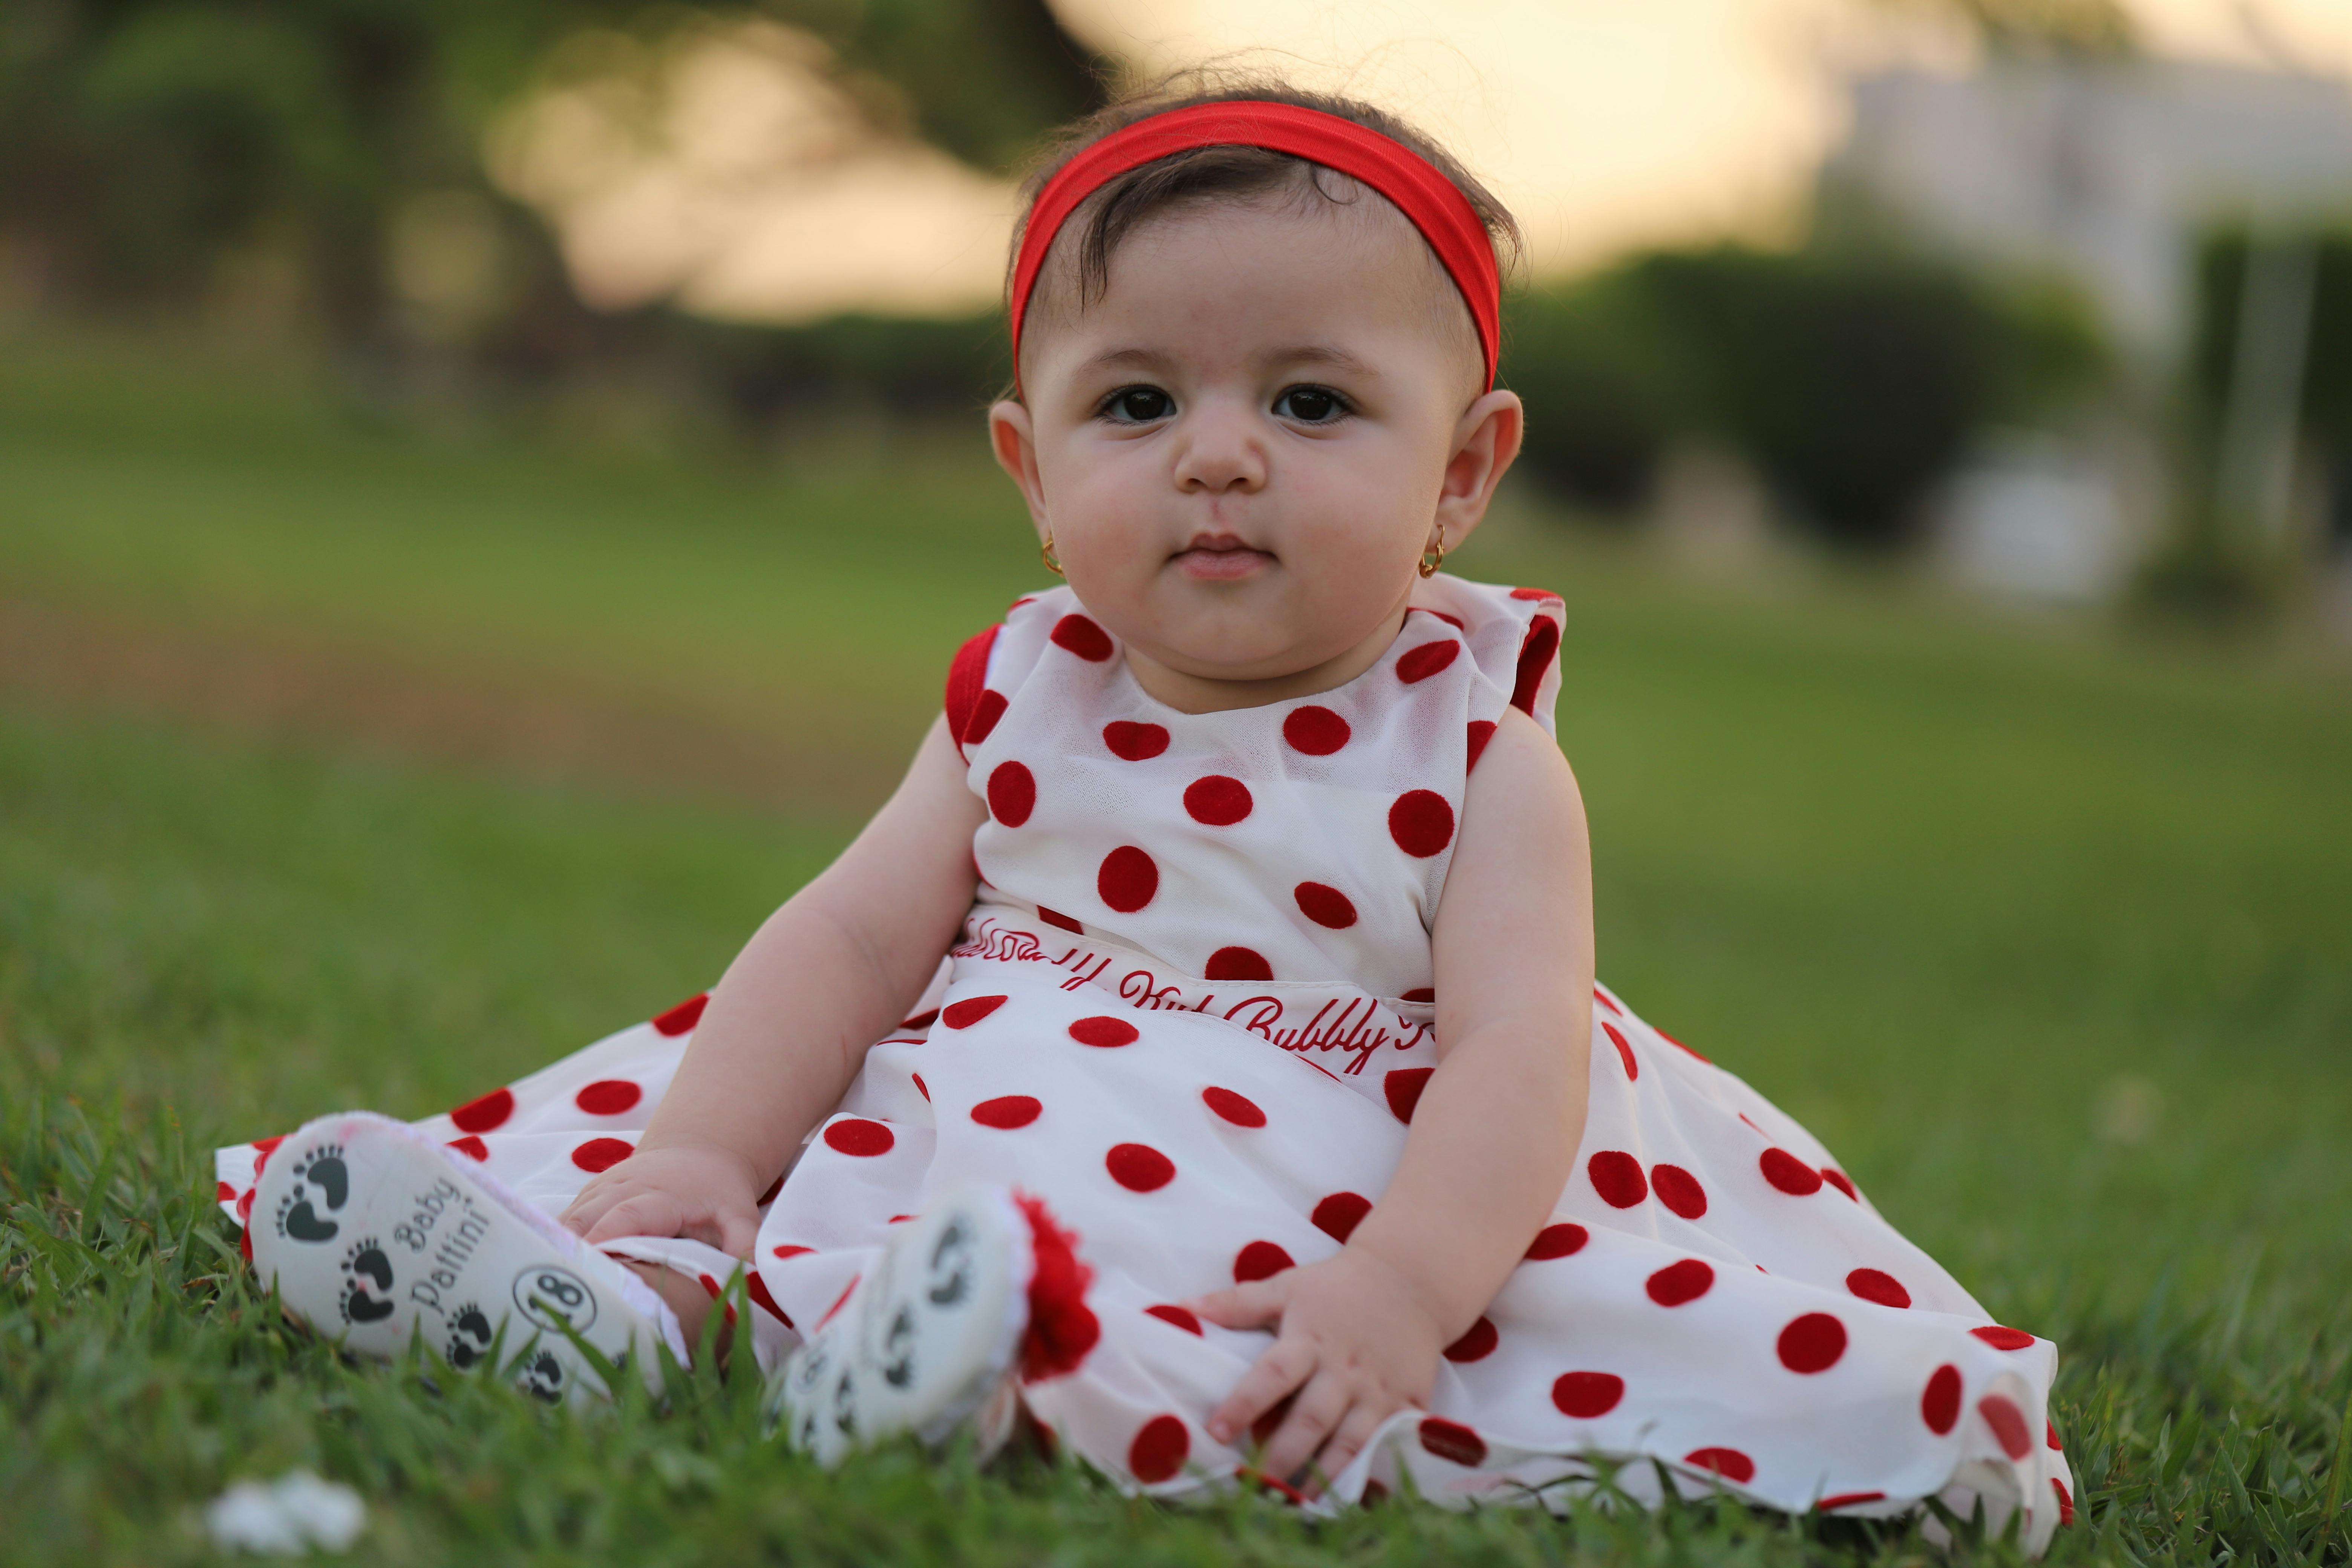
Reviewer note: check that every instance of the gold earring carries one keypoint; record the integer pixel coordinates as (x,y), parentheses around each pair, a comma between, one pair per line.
(1434,556)
(1045,551)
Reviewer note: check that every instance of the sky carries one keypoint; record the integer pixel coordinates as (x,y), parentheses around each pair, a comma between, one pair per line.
(1606,126)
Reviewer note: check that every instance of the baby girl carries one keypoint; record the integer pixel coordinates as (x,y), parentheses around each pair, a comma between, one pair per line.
(1265,1121)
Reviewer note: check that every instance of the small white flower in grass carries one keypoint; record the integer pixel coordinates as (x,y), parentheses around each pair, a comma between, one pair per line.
(286,1516)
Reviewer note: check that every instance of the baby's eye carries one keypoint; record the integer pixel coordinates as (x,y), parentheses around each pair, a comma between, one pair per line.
(1310,405)
(1137,405)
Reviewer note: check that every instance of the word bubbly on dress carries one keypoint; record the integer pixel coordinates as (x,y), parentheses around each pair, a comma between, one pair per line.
(1192,1016)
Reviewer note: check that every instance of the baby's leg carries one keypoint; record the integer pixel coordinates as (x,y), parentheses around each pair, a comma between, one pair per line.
(689,1298)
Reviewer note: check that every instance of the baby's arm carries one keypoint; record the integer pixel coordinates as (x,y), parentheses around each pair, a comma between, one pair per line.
(788,1025)
(1494,1137)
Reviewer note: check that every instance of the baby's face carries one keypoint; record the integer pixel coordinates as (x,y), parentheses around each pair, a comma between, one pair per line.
(1243,446)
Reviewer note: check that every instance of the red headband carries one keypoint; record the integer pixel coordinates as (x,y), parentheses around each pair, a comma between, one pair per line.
(1440,211)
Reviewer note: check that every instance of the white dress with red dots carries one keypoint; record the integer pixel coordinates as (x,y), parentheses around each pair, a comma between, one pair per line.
(1193,1012)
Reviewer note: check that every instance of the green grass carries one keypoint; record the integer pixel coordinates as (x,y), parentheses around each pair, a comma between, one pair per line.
(2046,931)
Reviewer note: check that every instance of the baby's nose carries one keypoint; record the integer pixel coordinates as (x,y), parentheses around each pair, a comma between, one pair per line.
(1221,451)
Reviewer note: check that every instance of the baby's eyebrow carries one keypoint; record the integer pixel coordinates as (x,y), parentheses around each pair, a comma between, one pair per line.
(1138,358)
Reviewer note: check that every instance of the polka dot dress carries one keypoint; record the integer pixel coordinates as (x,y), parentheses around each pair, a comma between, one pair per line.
(1193,1012)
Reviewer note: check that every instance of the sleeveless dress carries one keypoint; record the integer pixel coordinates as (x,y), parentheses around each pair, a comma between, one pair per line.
(1193,1012)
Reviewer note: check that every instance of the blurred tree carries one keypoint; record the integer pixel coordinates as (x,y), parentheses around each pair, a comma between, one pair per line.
(2067,29)
(1850,376)
(146,144)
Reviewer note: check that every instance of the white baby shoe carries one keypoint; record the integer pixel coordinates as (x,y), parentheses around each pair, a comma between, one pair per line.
(925,1343)
(374,1235)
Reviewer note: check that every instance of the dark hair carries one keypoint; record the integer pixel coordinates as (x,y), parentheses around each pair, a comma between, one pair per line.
(1200,175)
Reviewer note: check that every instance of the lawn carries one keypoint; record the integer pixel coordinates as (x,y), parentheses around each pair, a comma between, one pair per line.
(2046,929)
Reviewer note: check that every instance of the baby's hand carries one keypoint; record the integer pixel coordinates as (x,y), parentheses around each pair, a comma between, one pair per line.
(684,1190)
(1355,1345)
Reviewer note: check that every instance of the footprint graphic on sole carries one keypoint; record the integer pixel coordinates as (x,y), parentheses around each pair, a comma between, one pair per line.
(542,1377)
(321,1174)
(469,1337)
(367,1264)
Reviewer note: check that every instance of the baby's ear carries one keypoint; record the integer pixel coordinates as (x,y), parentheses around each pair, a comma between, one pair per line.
(1012,437)
(1485,443)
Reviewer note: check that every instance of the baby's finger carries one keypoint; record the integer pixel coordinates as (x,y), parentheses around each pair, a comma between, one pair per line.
(1313,1417)
(1347,1440)
(642,1214)
(589,1205)
(1273,1376)
(738,1231)
(1255,1305)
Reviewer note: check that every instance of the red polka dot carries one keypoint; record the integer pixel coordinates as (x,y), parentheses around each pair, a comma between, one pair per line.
(2003,1339)
(1217,801)
(1624,1052)
(472,1147)
(919,1022)
(1477,1344)
(1236,1108)
(860,1137)
(1875,1285)
(264,1146)
(1129,878)
(1848,1499)
(1729,1463)
(1788,1173)
(1607,1001)
(1337,1216)
(1678,1044)
(1083,638)
(1237,964)
(1561,1240)
(1181,1317)
(1056,918)
(1421,663)
(1403,1088)
(1535,662)
(1812,1344)
(2007,1423)
(788,1250)
(1012,794)
(486,1114)
(1481,732)
(1318,731)
(1939,1407)
(1617,1177)
(985,712)
(2049,1434)
(224,1193)
(608,1097)
(1420,994)
(1104,1030)
(244,1209)
(1839,1180)
(1586,1396)
(680,1018)
(1159,1449)
(757,1289)
(971,1010)
(1260,1260)
(1138,1167)
(1421,823)
(920,1087)
(778,1184)
(1679,1282)
(1533,593)
(2065,1501)
(1453,621)
(601,1153)
(1678,1190)
(1133,742)
(1325,906)
(1007,1110)
(1453,1441)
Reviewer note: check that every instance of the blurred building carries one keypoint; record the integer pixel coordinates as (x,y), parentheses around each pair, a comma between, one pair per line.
(2106,170)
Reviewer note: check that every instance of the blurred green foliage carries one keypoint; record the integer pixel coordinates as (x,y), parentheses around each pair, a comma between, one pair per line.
(2326,406)
(1850,376)
(146,146)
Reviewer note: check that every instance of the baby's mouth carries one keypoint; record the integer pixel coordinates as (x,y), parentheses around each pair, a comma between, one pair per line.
(1221,557)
